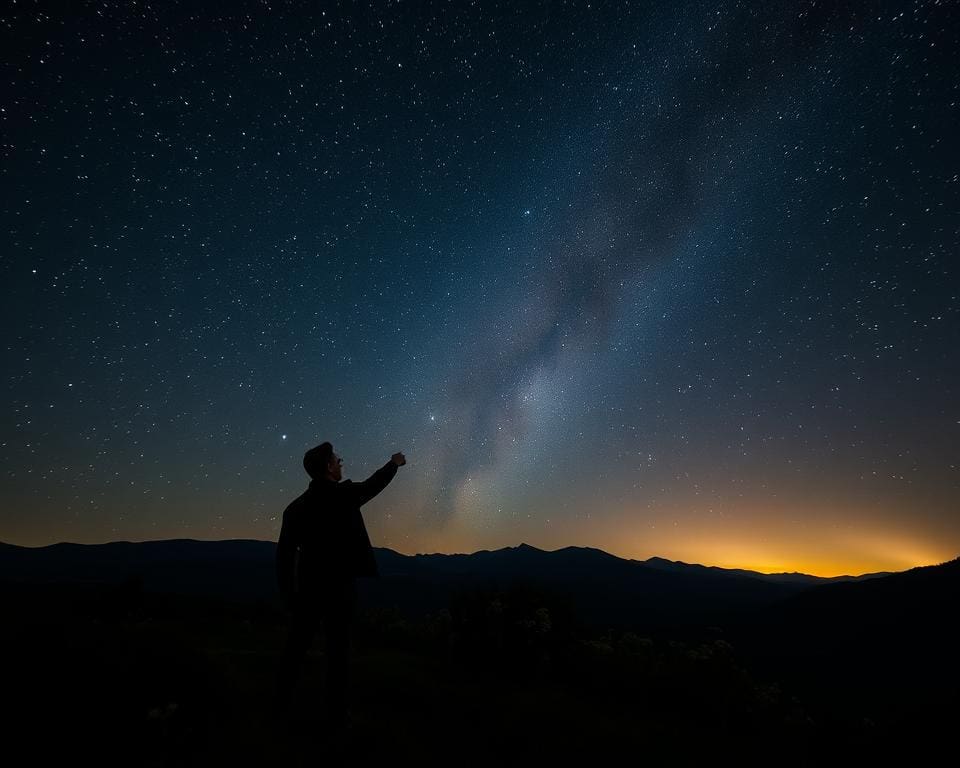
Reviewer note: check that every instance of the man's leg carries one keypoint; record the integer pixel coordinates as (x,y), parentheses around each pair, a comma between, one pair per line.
(339,607)
(303,626)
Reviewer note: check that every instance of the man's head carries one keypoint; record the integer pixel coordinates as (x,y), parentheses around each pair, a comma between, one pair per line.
(322,463)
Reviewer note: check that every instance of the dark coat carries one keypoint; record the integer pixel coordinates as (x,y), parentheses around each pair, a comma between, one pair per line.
(323,539)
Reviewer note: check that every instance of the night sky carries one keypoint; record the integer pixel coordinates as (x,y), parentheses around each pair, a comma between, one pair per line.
(663,279)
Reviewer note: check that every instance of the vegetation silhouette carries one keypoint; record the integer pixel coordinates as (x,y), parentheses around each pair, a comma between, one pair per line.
(123,673)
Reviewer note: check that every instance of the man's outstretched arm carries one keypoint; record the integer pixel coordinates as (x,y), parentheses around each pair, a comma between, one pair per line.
(363,492)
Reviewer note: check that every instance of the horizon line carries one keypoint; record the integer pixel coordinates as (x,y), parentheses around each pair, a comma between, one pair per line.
(515,546)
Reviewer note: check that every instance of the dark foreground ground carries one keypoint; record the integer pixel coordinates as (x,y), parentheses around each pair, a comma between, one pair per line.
(113,676)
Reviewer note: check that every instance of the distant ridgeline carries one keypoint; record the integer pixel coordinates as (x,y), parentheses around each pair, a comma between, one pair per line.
(601,588)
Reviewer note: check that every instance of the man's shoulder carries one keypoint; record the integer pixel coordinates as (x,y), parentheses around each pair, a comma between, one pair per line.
(298,503)
(302,498)
(319,496)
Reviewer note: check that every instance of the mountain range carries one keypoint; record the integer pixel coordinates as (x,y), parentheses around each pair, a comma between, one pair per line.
(602,588)
(862,639)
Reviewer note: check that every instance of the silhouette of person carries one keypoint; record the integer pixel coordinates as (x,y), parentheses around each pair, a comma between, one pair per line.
(323,547)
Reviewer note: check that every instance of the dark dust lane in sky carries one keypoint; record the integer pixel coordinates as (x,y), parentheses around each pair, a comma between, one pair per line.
(653,173)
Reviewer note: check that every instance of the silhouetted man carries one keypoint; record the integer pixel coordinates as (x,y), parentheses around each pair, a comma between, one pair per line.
(323,547)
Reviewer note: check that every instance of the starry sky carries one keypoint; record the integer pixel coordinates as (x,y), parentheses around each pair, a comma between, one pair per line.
(673,279)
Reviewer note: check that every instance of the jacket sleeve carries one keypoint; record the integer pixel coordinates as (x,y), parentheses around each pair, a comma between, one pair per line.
(361,493)
(288,549)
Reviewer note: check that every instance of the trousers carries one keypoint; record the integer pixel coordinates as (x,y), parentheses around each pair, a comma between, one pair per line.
(330,608)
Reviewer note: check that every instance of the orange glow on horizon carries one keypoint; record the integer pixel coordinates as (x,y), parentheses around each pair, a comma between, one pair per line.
(815,537)
(810,567)
(767,541)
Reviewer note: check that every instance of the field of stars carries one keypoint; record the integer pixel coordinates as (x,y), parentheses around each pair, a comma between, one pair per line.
(673,279)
